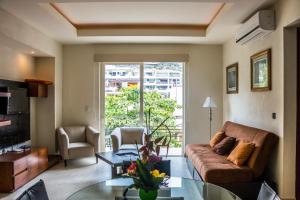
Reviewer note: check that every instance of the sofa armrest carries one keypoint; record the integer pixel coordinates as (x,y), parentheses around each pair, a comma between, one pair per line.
(115,143)
(63,143)
(116,139)
(93,138)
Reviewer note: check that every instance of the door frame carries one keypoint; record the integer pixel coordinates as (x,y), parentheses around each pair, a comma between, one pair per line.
(141,64)
(298,119)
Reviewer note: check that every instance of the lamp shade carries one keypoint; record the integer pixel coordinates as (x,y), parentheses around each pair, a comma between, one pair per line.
(209,103)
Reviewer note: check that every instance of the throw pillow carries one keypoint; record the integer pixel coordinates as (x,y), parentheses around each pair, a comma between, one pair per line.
(219,135)
(241,153)
(225,146)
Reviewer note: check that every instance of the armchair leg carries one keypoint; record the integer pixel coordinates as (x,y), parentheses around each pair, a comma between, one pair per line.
(65,163)
(96,160)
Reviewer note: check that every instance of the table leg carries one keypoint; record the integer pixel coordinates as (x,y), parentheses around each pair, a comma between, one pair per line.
(114,172)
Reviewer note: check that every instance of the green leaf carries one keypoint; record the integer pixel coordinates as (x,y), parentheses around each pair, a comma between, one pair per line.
(146,177)
(164,141)
(157,140)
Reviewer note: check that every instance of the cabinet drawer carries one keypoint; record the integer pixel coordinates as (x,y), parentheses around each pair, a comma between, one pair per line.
(20,165)
(21,179)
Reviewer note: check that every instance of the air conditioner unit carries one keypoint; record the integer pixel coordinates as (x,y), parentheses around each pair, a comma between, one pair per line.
(259,25)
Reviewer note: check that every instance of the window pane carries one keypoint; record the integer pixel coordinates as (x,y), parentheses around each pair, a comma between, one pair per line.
(163,89)
(122,96)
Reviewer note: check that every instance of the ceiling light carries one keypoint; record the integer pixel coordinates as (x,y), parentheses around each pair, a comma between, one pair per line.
(32,52)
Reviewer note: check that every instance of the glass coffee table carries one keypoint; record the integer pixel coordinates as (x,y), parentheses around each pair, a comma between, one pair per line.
(178,189)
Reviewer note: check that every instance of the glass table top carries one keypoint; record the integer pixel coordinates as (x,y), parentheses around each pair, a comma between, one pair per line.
(187,189)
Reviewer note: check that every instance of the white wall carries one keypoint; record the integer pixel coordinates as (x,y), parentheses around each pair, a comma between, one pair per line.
(16,34)
(204,78)
(45,107)
(17,66)
(256,108)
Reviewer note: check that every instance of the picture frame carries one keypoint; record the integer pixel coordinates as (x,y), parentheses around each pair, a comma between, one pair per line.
(232,78)
(261,76)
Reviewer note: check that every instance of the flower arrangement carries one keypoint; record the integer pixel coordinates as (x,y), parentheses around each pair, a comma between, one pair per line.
(155,145)
(145,177)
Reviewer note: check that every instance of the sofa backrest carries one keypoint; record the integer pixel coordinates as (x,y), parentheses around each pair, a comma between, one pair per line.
(264,144)
(76,133)
(130,135)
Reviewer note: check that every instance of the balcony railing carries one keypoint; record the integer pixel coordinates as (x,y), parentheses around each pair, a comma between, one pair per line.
(176,136)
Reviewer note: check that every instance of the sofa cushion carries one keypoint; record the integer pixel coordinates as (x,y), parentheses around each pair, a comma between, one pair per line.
(225,173)
(264,144)
(80,149)
(215,168)
(241,153)
(225,146)
(219,135)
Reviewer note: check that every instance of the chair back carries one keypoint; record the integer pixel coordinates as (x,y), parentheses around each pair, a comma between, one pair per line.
(131,135)
(76,133)
(35,192)
(267,193)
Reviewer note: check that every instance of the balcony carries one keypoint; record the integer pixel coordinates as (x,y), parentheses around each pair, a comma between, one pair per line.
(176,143)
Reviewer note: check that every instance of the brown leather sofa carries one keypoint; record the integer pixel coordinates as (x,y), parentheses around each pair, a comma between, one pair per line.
(213,168)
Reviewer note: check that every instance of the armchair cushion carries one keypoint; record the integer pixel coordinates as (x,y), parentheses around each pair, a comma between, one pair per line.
(132,135)
(76,133)
(80,149)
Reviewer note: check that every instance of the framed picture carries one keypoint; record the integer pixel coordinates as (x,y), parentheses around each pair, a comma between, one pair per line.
(261,71)
(232,78)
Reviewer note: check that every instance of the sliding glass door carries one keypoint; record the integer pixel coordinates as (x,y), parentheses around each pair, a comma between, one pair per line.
(158,85)
(122,96)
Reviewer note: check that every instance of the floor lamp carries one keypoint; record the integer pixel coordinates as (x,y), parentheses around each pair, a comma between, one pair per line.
(209,103)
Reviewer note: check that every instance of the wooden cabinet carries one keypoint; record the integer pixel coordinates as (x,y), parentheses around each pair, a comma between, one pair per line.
(37,88)
(16,169)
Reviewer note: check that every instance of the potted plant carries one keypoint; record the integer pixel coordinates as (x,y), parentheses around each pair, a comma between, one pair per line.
(154,145)
(146,178)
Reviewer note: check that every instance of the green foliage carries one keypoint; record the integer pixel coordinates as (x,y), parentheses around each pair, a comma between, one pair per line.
(122,109)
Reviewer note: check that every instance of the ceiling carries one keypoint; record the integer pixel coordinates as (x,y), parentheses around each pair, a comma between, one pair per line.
(132,21)
(140,13)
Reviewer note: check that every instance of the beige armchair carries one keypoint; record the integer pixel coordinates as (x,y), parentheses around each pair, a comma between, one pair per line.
(77,142)
(125,138)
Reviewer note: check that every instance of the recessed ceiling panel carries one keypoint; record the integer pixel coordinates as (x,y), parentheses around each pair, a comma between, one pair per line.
(140,13)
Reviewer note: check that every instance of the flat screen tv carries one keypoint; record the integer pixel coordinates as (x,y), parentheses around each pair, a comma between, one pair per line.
(17,109)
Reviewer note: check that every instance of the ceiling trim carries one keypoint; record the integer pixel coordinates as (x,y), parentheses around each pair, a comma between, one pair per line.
(216,14)
(140,26)
(53,5)
(152,26)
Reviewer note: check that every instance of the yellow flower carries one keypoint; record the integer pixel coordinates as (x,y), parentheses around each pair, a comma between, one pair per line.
(156,174)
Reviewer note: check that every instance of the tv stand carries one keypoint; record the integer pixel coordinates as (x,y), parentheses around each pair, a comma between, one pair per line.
(18,168)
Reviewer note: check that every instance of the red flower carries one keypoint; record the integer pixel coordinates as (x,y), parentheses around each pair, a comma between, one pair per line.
(144,148)
(132,168)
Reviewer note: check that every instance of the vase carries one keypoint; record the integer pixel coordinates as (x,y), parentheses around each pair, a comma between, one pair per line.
(147,195)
